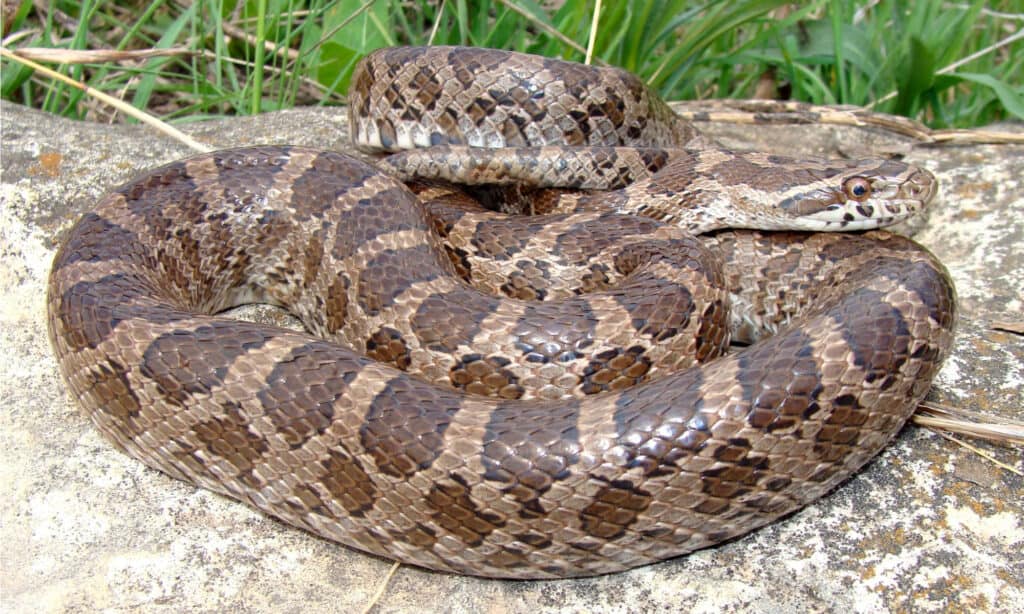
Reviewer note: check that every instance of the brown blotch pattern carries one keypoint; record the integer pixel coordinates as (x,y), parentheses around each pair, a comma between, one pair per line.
(615,369)
(387,276)
(455,511)
(387,345)
(228,437)
(614,509)
(523,464)
(485,376)
(346,482)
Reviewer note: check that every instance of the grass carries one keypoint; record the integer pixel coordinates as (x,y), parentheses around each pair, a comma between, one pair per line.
(947,64)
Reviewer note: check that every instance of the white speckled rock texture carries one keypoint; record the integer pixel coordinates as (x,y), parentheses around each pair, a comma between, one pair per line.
(928,526)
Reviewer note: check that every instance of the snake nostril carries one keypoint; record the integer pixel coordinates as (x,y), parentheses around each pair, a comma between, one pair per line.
(920,186)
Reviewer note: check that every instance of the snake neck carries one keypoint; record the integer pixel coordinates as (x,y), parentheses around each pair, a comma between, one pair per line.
(679,209)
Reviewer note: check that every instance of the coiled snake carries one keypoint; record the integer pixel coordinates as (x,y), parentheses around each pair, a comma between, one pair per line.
(593,452)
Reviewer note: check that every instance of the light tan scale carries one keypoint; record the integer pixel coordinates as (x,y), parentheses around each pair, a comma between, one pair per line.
(642,441)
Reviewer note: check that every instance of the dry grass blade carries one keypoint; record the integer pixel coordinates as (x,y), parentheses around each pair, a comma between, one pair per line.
(977,136)
(950,68)
(328,35)
(731,111)
(437,22)
(981,453)
(512,6)
(791,112)
(985,426)
(592,38)
(96,56)
(313,88)
(122,106)
(250,39)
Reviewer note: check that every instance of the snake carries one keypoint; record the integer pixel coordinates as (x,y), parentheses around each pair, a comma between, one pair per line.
(572,393)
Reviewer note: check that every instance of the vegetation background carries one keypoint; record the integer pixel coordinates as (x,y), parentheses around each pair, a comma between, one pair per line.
(947,64)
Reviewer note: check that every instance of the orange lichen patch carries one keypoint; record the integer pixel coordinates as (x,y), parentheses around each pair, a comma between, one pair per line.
(49,164)
(973,189)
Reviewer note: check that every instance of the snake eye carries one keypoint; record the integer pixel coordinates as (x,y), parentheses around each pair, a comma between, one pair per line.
(857,188)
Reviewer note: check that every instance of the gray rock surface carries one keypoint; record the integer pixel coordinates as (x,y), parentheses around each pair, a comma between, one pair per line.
(928,526)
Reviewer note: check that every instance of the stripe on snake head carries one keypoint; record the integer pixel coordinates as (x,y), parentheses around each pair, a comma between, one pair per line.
(743,169)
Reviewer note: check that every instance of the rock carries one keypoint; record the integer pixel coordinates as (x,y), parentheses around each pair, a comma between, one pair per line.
(927,526)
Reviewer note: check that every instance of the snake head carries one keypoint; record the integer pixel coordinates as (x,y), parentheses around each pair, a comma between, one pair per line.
(858,194)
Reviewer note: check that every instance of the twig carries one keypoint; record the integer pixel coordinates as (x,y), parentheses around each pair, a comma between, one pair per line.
(315,87)
(987,12)
(963,136)
(14,37)
(125,108)
(380,589)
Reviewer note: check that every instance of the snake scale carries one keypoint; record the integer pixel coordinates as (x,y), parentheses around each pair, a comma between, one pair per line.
(463,428)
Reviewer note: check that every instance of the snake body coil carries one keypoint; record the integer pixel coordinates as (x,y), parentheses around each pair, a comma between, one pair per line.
(566,468)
